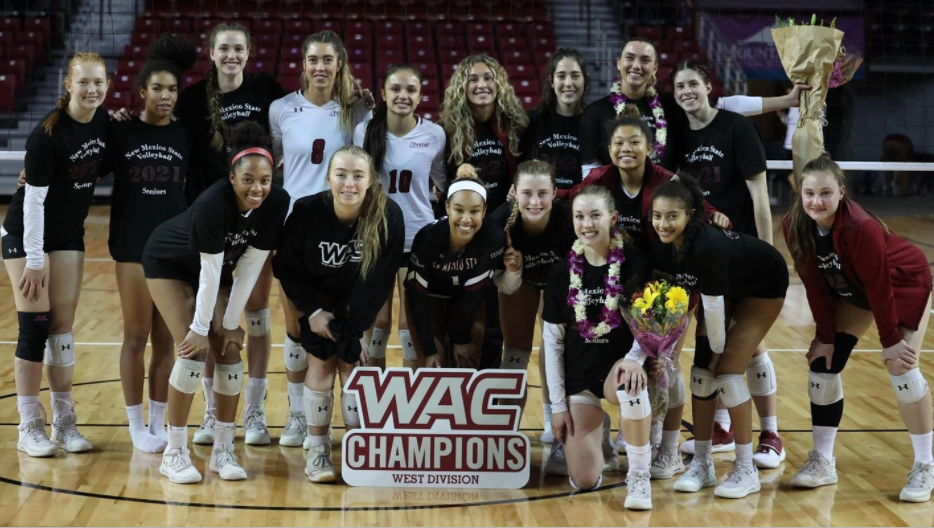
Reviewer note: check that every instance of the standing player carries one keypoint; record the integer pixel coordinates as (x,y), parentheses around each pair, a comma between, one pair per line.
(408,153)
(150,157)
(853,270)
(308,127)
(554,125)
(585,338)
(337,263)
(742,283)
(189,262)
(43,251)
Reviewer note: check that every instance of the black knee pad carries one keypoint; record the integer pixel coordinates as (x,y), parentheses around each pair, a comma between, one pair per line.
(702,352)
(33,333)
(843,346)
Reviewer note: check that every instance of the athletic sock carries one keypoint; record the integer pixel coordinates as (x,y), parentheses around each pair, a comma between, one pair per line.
(57,410)
(296,398)
(744,454)
(769,423)
(546,413)
(722,417)
(655,432)
(701,449)
(922,446)
(670,441)
(28,407)
(157,418)
(320,440)
(640,457)
(255,394)
(207,389)
(224,433)
(142,439)
(823,440)
(178,437)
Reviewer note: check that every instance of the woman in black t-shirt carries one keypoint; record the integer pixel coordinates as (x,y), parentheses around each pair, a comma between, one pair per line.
(585,339)
(189,262)
(742,282)
(43,251)
(150,157)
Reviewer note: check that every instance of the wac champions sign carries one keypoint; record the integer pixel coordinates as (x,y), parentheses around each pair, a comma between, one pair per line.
(436,429)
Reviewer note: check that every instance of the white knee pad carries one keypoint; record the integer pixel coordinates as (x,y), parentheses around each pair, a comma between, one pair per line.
(318,407)
(349,410)
(733,390)
(60,350)
(595,486)
(514,358)
(257,322)
(910,386)
(295,357)
(703,384)
(634,407)
(378,342)
(824,389)
(408,347)
(676,395)
(186,375)
(760,376)
(228,379)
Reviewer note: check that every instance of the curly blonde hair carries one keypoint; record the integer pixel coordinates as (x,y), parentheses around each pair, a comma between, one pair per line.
(458,120)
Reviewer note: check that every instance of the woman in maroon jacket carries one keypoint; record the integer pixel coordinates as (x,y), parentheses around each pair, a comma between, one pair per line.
(853,269)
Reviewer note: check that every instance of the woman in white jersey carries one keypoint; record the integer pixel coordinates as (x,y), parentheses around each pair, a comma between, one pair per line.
(408,154)
(308,126)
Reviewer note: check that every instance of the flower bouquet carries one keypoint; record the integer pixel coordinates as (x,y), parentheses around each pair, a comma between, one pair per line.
(658,316)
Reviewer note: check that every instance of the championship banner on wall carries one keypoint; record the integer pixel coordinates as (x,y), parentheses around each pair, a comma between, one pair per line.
(436,428)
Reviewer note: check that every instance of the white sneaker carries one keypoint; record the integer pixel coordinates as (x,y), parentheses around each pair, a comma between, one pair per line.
(65,431)
(32,438)
(224,462)
(177,466)
(547,437)
(742,480)
(610,455)
(697,476)
(319,467)
(557,463)
(920,483)
(770,452)
(254,428)
(639,495)
(666,465)
(816,472)
(205,433)
(296,430)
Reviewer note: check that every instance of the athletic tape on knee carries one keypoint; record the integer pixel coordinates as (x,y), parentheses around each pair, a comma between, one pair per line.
(595,486)
(703,384)
(294,356)
(33,333)
(61,350)
(760,376)
(824,389)
(408,347)
(676,395)
(186,375)
(318,407)
(910,386)
(228,379)
(379,340)
(257,322)
(349,410)
(733,390)
(634,407)
(514,358)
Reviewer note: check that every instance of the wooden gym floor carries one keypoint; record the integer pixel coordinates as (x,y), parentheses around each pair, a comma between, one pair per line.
(116,485)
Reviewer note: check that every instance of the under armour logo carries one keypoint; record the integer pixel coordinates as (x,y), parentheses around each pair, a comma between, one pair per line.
(695,380)
(66,347)
(903,387)
(322,409)
(376,343)
(515,359)
(298,109)
(291,355)
(409,343)
(233,376)
(815,385)
(762,375)
(254,323)
(633,403)
(353,409)
(194,375)
(12,251)
(720,390)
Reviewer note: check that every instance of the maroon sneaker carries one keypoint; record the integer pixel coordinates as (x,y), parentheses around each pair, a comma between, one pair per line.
(722,441)
(770,453)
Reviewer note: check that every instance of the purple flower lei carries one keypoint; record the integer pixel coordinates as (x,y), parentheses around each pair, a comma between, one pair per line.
(611,287)
(618,99)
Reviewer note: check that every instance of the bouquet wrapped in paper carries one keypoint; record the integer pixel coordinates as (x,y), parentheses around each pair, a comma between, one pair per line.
(657,317)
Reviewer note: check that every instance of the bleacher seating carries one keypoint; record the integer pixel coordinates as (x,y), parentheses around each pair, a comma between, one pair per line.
(24,44)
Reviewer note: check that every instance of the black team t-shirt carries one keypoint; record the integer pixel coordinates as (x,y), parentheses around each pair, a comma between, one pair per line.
(150,165)
(553,138)
(630,213)
(488,158)
(828,261)
(69,163)
(542,251)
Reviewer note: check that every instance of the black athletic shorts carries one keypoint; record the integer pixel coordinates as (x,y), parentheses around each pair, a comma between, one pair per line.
(13,246)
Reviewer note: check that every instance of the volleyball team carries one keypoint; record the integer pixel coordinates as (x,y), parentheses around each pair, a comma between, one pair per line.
(484,222)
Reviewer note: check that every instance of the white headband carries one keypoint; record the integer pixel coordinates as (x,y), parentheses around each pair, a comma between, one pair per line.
(467,185)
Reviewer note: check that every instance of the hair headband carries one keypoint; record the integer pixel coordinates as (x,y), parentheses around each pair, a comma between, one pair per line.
(466,185)
(253,150)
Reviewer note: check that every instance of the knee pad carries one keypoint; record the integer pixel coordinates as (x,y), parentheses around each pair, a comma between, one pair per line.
(408,347)
(760,376)
(910,386)
(295,357)
(733,390)
(595,486)
(33,333)
(843,346)
(186,375)
(824,389)
(676,396)
(228,379)
(702,352)
(318,407)
(378,342)
(349,410)
(634,407)
(703,384)
(60,351)
(514,358)
(257,322)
